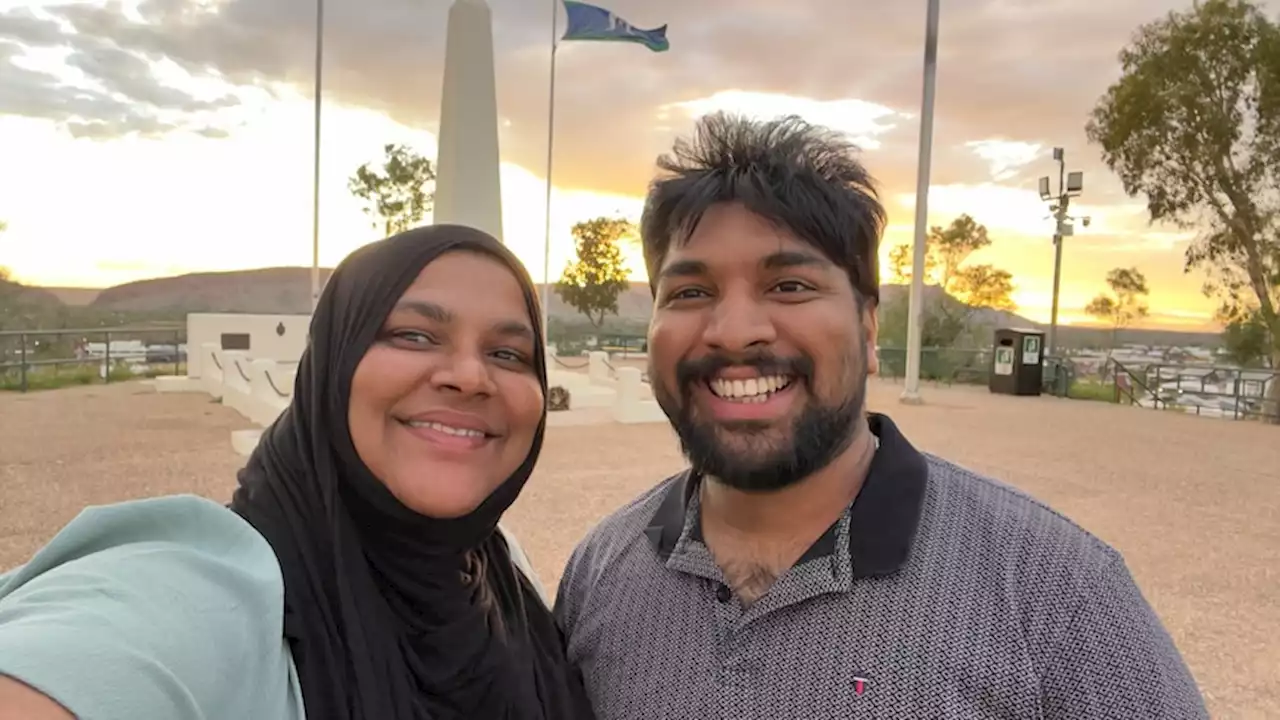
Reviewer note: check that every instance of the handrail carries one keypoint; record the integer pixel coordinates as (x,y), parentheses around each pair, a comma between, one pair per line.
(1136,380)
(271,381)
(93,331)
(564,364)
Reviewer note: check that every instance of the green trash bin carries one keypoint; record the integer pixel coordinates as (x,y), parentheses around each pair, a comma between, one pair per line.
(1017,362)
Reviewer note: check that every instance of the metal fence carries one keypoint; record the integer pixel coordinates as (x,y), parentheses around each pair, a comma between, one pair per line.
(31,359)
(957,366)
(1207,390)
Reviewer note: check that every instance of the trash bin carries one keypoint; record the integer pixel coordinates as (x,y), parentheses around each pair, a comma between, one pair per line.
(1017,362)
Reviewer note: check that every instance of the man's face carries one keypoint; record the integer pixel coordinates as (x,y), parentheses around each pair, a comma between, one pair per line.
(758,351)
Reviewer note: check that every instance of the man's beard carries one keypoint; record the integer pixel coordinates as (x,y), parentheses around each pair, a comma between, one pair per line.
(779,457)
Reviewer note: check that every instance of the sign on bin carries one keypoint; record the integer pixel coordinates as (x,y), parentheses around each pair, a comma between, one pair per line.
(1004,360)
(1031,350)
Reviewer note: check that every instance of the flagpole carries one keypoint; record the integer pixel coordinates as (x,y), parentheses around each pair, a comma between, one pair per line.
(915,303)
(551,134)
(315,181)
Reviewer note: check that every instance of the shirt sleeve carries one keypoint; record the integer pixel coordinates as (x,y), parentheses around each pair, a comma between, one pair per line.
(1115,660)
(166,608)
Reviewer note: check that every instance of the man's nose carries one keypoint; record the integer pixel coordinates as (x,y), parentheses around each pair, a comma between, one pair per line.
(739,324)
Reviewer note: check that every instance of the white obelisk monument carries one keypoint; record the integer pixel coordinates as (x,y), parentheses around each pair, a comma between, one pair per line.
(468,191)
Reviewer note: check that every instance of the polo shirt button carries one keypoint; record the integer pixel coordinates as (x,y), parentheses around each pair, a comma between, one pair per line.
(723,594)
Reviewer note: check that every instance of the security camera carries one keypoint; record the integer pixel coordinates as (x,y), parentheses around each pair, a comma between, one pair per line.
(1086,222)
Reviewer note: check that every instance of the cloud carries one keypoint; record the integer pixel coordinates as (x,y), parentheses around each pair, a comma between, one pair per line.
(90,85)
(862,121)
(1006,158)
(1024,71)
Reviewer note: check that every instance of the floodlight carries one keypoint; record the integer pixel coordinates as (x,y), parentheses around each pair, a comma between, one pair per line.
(1075,182)
(1057,154)
(1044,189)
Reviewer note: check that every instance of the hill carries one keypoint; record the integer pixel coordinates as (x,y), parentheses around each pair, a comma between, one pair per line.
(287,290)
(75,297)
(282,290)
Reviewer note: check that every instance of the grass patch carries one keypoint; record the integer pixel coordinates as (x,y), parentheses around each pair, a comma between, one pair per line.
(52,377)
(1095,390)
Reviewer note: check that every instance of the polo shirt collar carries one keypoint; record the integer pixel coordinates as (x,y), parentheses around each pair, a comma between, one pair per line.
(883,518)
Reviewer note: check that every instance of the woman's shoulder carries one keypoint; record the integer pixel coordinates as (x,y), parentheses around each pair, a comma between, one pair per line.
(164,607)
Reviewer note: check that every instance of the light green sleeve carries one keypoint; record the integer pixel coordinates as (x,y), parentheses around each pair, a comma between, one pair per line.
(169,608)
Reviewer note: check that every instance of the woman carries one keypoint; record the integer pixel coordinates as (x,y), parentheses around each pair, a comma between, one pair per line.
(361,574)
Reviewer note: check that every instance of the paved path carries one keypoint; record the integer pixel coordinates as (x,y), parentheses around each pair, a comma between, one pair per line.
(1194,504)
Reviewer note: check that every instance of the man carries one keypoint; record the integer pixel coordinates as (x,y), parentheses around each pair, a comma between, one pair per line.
(811,563)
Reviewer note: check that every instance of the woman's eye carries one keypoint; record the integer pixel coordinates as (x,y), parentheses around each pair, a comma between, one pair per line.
(413,337)
(510,356)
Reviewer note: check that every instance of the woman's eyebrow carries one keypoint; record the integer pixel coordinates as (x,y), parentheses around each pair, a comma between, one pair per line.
(514,328)
(428,310)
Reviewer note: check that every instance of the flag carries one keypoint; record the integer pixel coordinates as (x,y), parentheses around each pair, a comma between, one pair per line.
(588,22)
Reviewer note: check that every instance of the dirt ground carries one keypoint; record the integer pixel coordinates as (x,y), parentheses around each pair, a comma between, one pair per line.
(1193,503)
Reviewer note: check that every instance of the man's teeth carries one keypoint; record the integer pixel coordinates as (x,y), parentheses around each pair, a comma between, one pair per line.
(750,389)
(446,429)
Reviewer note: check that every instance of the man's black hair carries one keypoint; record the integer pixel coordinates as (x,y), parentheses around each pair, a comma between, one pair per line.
(802,177)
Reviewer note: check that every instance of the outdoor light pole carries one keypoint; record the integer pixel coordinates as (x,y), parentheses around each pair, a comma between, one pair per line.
(1069,185)
(911,391)
(315,180)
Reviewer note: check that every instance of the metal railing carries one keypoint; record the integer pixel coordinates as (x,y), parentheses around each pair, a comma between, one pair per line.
(967,366)
(945,365)
(1208,390)
(36,358)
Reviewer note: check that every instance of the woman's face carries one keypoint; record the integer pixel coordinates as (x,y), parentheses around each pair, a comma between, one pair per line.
(446,402)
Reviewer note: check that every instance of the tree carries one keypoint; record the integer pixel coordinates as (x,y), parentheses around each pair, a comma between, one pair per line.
(1125,304)
(396,197)
(4,271)
(1193,124)
(1246,340)
(970,287)
(592,283)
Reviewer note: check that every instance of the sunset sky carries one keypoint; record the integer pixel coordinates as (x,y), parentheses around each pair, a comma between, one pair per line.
(158,137)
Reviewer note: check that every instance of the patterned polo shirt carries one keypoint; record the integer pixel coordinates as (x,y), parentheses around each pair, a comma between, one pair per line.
(938,594)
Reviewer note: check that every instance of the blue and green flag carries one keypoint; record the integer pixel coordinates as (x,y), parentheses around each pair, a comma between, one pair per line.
(588,22)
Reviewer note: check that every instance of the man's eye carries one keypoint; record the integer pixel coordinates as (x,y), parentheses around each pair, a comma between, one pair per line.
(687,294)
(791,286)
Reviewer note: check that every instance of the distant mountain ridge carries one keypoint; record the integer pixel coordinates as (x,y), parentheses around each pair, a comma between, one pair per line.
(287,290)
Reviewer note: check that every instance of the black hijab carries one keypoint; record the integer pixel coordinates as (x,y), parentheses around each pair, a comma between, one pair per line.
(392,615)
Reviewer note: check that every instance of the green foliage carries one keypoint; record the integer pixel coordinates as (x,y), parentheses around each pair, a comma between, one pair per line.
(946,265)
(1246,339)
(1193,124)
(592,283)
(395,197)
(966,287)
(944,323)
(1125,304)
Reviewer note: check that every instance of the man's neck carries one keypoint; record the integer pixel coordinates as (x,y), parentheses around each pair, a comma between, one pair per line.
(805,508)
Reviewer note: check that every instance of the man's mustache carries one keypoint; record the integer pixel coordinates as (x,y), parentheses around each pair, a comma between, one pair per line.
(703,369)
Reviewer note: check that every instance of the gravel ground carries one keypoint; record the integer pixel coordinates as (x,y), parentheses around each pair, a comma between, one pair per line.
(1192,503)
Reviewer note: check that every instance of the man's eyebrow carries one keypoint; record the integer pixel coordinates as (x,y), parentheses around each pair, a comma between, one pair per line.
(683,268)
(794,258)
